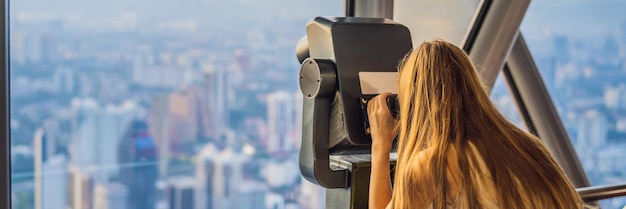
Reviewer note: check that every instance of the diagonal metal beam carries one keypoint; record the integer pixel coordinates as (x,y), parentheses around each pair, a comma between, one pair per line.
(538,111)
(492,33)
(493,39)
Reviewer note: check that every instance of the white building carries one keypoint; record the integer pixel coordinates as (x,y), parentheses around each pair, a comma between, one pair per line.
(110,196)
(96,133)
(79,189)
(280,121)
(220,180)
(592,132)
(50,182)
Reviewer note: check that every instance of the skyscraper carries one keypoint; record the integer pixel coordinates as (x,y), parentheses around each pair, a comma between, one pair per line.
(138,170)
(280,117)
(221,180)
(79,189)
(50,175)
(96,133)
(110,196)
(180,192)
(592,133)
(44,144)
(185,118)
(205,175)
(51,183)
(297,127)
(159,128)
(215,87)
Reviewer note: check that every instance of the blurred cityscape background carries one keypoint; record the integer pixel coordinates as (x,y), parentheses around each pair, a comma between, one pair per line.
(189,104)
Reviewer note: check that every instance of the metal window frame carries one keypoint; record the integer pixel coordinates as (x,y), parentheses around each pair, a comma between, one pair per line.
(5,113)
(495,45)
(491,35)
(476,24)
(538,112)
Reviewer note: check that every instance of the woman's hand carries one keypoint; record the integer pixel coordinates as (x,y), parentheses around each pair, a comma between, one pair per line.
(382,124)
(383,130)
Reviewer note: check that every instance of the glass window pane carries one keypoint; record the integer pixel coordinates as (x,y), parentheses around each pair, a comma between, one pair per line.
(435,19)
(148,104)
(580,49)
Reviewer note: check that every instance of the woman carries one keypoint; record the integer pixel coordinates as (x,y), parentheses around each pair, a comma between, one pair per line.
(455,150)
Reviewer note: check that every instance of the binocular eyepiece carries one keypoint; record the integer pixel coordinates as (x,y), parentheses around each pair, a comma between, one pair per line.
(392,104)
(394,107)
(345,62)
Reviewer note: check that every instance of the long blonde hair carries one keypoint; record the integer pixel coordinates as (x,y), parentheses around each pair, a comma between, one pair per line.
(445,109)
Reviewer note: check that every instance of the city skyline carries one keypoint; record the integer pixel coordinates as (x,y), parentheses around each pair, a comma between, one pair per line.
(164,112)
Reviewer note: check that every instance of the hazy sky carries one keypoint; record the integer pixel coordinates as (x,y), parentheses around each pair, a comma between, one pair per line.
(576,18)
(179,9)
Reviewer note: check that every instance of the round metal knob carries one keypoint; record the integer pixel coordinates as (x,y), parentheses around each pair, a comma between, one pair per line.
(317,77)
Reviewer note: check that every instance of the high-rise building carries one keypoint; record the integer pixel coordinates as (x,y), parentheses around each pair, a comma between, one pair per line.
(280,117)
(50,182)
(297,127)
(184,118)
(592,132)
(137,155)
(180,120)
(96,133)
(79,189)
(222,182)
(180,192)
(110,196)
(205,175)
(49,167)
(159,128)
(216,87)
(45,140)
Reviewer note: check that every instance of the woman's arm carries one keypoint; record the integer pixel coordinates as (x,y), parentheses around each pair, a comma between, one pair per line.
(382,126)
(380,182)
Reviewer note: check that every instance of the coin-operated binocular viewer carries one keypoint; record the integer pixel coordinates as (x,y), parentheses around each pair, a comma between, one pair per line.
(345,61)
